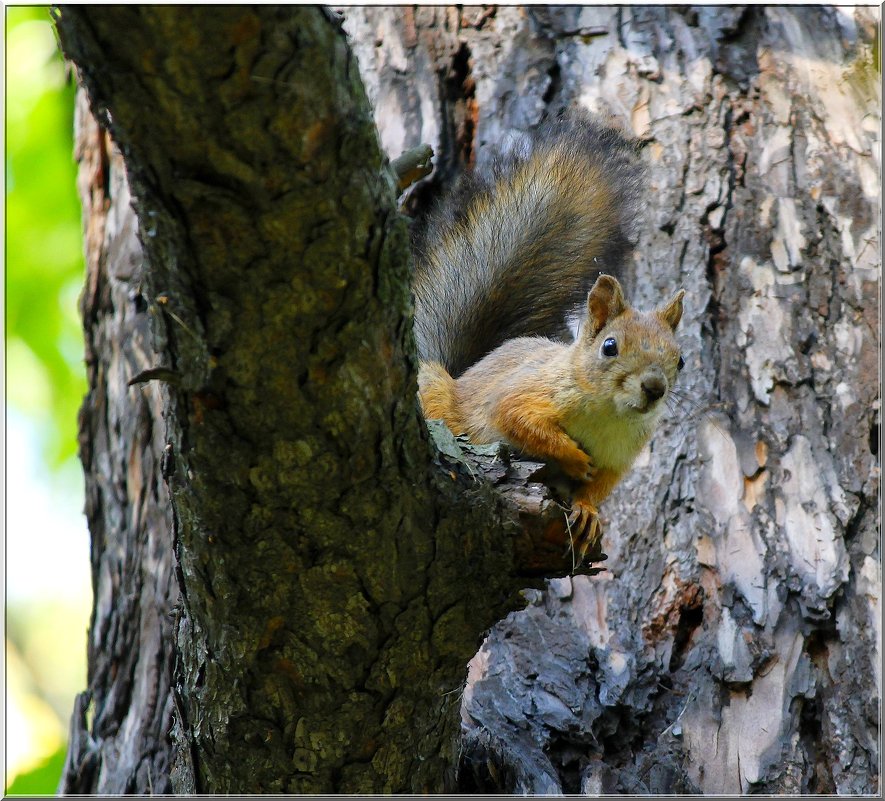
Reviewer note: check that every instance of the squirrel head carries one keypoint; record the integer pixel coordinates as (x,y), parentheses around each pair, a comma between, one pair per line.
(631,358)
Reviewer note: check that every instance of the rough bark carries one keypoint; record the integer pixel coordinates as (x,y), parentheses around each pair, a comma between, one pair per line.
(332,587)
(734,645)
(120,726)
(288,586)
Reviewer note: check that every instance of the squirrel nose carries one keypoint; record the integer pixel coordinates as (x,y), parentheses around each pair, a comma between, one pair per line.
(654,387)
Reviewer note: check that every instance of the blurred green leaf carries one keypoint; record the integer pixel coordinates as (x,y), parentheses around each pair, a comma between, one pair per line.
(42,780)
(46,377)
(44,262)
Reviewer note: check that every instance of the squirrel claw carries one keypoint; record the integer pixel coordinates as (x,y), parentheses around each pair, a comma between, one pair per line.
(584,527)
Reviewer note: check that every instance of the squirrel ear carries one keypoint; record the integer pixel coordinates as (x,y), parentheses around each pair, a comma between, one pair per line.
(671,314)
(604,303)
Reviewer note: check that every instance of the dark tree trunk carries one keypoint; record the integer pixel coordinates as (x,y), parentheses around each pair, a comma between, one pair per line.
(252,429)
(288,587)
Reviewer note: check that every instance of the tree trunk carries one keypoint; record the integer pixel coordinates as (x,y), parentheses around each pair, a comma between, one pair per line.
(252,429)
(120,725)
(733,644)
(288,588)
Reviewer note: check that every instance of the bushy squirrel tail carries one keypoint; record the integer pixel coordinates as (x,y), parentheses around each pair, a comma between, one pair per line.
(516,247)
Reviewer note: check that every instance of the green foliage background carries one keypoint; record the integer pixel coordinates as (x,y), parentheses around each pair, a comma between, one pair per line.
(44,261)
(45,375)
(42,780)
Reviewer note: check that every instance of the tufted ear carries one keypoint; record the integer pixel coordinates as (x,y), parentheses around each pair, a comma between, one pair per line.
(671,314)
(604,303)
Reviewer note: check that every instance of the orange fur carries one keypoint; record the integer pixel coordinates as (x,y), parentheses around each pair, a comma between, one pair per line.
(438,394)
(529,422)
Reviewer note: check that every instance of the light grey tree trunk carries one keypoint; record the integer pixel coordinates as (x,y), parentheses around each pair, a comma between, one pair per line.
(121,721)
(734,643)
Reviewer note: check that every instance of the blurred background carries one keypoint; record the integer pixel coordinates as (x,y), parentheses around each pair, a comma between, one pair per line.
(47,579)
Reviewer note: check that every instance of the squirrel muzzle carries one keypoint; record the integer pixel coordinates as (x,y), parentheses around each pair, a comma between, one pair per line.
(653,385)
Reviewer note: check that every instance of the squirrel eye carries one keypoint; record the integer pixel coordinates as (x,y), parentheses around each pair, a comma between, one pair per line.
(610,347)
(681,363)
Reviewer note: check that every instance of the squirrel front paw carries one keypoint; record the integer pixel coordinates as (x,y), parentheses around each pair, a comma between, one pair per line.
(578,465)
(584,527)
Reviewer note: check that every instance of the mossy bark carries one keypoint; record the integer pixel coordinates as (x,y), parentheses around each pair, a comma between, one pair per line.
(332,581)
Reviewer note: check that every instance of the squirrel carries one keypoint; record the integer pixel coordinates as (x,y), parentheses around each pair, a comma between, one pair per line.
(497,268)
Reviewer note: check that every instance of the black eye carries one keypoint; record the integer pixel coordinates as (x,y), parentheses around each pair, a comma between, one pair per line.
(681,363)
(610,347)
